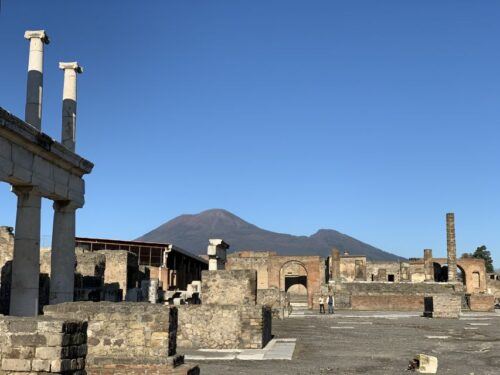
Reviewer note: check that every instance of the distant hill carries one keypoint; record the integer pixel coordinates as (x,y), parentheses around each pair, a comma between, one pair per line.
(192,232)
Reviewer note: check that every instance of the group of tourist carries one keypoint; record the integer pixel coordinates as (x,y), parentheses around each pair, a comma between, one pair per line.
(330,300)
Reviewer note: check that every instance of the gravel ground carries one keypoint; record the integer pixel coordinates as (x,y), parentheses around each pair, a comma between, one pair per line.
(364,344)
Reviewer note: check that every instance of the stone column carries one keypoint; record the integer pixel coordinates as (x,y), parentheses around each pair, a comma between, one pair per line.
(428,266)
(68,134)
(26,260)
(335,264)
(33,111)
(217,254)
(451,247)
(62,257)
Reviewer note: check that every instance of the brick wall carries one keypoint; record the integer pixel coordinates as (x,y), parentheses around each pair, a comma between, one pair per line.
(229,287)
(387,302)
(42,345)
(482,302)
(224,326)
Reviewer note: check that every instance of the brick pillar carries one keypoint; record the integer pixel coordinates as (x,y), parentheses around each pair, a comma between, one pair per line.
(428,265)
(451,247)
(335,265)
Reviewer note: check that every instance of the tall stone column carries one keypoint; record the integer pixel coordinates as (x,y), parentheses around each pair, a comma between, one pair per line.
(451,247)
(428,266)
(335,264)
(34,90)
(62,257)
(68,135)
(26,260)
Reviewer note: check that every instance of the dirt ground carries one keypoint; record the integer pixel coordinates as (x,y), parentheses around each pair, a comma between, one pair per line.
(378,343)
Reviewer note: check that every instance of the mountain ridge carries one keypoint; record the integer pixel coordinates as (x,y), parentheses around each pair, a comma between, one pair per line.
(192,231)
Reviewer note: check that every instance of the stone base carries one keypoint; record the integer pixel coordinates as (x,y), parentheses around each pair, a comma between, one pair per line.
(446,306)
(172,365)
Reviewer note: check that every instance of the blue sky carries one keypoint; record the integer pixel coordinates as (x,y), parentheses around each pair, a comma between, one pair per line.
(374,118)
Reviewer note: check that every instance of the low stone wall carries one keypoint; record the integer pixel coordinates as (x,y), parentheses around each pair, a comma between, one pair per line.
(388,296)
(224,326)
(387,302)
(443,306)
(235,287)
(482,302)
(42,345)
(125,332)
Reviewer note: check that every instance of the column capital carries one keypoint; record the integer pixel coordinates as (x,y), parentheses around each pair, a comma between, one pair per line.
(40,34)
(24,189)
(71,65)
(65,206)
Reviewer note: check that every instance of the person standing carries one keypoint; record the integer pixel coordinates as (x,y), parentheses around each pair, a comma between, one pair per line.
(331,302)
(321,304)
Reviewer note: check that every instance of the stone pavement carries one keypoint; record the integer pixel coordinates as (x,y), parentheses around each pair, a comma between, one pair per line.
(377,343)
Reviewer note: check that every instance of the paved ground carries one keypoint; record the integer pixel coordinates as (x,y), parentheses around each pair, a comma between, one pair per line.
(377,343)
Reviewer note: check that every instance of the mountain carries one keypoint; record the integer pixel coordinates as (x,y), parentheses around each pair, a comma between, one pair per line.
(191,232)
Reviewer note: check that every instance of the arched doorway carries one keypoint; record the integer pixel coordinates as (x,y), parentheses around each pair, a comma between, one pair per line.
(293,280)
(441,273)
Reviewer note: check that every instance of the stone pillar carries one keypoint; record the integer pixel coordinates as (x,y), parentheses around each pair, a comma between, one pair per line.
(451,247)
(33,111)
(217,254)
(335,264)
(62,257)
(68,134)
(26,260)
(428,266)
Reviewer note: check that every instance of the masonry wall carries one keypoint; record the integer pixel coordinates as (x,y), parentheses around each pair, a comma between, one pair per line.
(257,261)
(482,302)
(391,268)
(6,254)
(443,306)
(385,296)
(42,345)
(121,270)
(123,332)
(224,326)
(229,287)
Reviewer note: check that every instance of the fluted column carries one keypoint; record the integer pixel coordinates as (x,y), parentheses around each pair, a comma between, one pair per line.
(34,90)
(62,258)
(26,260)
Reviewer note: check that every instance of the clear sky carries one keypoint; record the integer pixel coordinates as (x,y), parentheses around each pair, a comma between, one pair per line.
(373,118)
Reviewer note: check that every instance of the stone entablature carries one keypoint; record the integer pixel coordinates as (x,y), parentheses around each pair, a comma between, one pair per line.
(29,157)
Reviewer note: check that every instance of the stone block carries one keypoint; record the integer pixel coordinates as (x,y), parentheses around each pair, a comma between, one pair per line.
(229,287)
(16,365)
(427,364)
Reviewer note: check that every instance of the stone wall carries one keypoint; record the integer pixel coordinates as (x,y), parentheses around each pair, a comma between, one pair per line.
(252,260)
(234,287)
(224,326)
(387,302)
(123,332)
(6,254)
(443,306)
(121,266)
(387,295)
(42,345)
(482,302)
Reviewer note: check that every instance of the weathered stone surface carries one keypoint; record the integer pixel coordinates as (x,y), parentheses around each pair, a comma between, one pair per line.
(443,306)
(235,287)
(482,302)
(42,345)
(125,334)
(224,326)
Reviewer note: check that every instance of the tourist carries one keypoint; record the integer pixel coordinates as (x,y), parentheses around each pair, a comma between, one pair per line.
(321,304)
(330,304)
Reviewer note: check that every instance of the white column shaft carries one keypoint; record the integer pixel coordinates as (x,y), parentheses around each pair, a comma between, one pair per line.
(68,136)
(62,275)
(26,261)
(33,112)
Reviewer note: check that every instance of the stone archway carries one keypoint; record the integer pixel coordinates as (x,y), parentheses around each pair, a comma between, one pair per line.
(293,280)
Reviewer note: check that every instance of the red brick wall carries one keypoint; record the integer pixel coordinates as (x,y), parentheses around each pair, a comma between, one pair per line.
(387,302)
(482,302)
